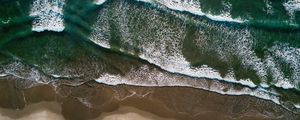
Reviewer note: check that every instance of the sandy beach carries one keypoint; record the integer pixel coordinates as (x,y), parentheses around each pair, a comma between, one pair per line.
(38,111)
(93,101)
(52,111)
(129,113)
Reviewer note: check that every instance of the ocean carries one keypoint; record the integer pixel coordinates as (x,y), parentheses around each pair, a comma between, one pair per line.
(230,47)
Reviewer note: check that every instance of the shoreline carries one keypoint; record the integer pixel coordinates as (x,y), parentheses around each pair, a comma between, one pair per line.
(92,101)
(52,111)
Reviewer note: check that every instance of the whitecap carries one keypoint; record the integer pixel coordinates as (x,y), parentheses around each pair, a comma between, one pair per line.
(48,15)
(194,8)
(292,6)
(99,2)
(3,75)
(144,76)
(164,44)
(297,106)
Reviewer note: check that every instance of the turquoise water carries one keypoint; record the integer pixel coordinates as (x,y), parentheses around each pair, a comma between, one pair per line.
(254,44)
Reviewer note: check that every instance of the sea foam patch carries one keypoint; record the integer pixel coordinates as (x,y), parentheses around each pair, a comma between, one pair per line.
(159,44)
(297,106)
(48,15)
(144,76)
(194,7)
(160,41)
(99,2)
(100,33)
(22,71)
(291,57)
(292,6)
(3,75)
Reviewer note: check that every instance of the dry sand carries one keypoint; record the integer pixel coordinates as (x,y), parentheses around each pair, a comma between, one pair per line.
(129,113)
(38,111)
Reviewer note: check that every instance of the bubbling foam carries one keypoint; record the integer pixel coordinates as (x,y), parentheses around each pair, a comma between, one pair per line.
(159,44)
(48,15)
(144,76)
(193,6)
(99,2)
(292,6)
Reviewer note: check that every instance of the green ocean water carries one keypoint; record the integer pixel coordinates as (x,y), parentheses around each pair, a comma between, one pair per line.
(264,48)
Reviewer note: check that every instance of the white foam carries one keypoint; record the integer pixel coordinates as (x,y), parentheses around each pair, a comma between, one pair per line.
(297,106)
(165,51)
(148,1)
(277,74)
(291,56)
(3,75)
(65,76)
(192,7)
(22,71)
(163,47)
(264,85)
(100,33)
(152,77)
(284,84)
(161,43)
(48,15)
(242,46)
(292,6)
(99,2)
(244,49)
(56,76)
(202,72)
(111,79)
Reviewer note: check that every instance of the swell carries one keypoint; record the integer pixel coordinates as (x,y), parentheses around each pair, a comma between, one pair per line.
(30,76)
(171,78)
(227,12)
(165,47)
(225,15)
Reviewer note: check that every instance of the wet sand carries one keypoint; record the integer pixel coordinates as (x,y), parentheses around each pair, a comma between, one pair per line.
(52,111)
(93,101)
